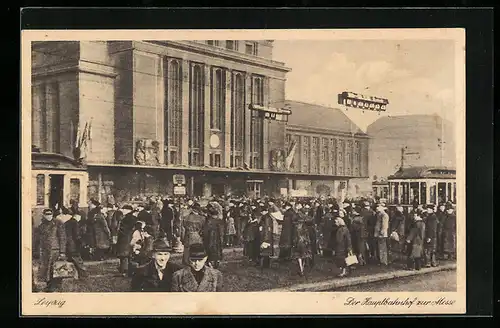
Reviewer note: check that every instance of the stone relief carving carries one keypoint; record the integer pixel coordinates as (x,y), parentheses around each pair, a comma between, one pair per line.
(147,152)
(277,160)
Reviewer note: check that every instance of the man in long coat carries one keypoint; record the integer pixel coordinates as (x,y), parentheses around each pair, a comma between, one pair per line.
(397,234)
(449,233)
(369,217)
(125,231)
(441,216)
(327,231)
(157,274)
(286,237)
(74,243)
(50,244)
(380,232)
(213,238)
(167,218)
(415,241)
(192,230)
(431,231)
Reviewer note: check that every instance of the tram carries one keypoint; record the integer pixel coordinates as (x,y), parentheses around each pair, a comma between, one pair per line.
(56,180)
(422,185)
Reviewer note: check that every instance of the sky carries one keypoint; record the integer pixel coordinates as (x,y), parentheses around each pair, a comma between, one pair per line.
(416,76)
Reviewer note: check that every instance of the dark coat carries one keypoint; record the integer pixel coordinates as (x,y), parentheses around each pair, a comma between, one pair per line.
(287,228)
(213,238)
(397,223)
(358,234)
(125,231)
(114,222)
(192,229)
(266,235)
(145,217)
(146,278)
(302,245)
(342,242)
(415,238)
(49,243)
(370,221)
(98,234)
(449,233)
(73,236)
(184,281)
(328,226)
(431,231)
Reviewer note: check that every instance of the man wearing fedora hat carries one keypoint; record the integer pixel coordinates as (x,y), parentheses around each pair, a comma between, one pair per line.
(198,277)
(156,275)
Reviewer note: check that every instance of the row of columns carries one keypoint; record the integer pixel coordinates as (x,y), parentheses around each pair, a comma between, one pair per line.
(209,88)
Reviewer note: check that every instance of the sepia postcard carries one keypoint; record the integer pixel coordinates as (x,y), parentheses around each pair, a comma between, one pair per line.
(243,172)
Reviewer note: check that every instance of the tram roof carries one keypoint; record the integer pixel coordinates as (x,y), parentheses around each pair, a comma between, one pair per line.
(48,161)
(424,172)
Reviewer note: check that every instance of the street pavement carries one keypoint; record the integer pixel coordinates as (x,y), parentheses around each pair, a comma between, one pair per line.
(442,281)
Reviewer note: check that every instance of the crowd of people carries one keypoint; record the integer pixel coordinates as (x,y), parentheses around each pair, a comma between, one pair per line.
(143,236)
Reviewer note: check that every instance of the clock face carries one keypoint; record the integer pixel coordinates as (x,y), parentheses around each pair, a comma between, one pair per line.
(214,141)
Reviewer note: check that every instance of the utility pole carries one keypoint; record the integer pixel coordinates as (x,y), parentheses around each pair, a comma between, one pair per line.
(441,143)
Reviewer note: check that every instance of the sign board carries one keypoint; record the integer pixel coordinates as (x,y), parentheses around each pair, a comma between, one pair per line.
(355,100)
(284,192)
(273,114)
(179,190)
(179,179)
(298,193)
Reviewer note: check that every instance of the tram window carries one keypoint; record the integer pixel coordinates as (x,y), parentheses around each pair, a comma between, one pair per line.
(414,194)
(423,193)
(396,193)
(406,193)
(441,192)
(40,189)
(74,189)
(449,192)
(432,194)
(385,193)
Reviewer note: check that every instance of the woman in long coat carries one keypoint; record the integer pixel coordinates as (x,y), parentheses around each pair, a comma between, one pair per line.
(192,230)
(343,246)
(449,233)
(213,238)
(302,248)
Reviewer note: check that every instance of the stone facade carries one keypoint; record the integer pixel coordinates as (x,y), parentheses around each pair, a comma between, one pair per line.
(131,94)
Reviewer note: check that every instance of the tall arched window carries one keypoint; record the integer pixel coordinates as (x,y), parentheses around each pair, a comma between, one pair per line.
(238,120)
(196,109)
(256,144)
(218,100)
(173,110)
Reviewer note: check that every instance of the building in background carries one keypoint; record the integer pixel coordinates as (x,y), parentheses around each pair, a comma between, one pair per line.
(139,113)
(420,140)
(330,156)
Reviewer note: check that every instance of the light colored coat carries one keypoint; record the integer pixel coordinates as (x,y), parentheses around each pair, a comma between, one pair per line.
(381,225)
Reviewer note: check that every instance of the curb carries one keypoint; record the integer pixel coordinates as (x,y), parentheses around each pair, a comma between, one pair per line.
(173,256)
(330,285)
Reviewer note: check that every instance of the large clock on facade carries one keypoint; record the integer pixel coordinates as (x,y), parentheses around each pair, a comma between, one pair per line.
(214,141)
